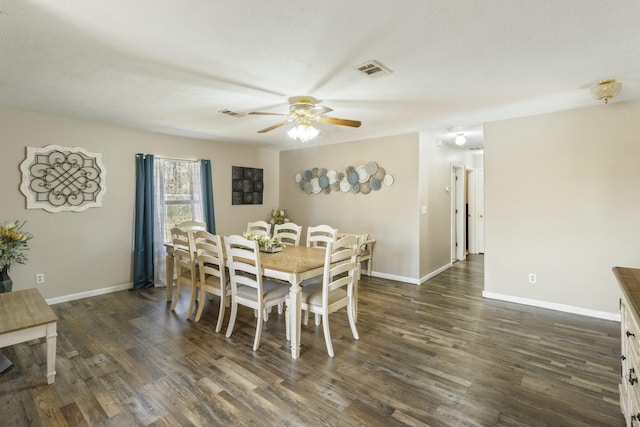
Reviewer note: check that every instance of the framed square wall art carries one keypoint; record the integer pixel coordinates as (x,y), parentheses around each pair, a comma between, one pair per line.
(247,185)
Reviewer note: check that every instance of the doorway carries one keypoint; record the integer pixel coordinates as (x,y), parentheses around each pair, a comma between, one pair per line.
(459,219)
(467,207)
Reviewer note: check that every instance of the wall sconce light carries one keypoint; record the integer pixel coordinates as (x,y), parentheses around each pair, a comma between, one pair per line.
(460,139)
(604,90)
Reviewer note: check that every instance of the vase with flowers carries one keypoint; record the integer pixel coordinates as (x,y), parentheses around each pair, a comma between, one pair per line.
(265,243)
(13,245)
(278,216)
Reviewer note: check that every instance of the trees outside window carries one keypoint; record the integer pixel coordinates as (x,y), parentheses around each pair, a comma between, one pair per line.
(179,197)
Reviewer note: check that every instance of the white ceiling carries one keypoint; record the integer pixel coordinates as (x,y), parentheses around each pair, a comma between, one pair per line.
(171,65)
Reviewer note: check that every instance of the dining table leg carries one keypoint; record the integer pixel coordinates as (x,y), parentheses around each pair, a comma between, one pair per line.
(295,317)
(169,269)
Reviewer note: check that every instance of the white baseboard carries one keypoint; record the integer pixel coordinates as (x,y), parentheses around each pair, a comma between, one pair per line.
(411,280)
(435,273)
(554,306)
(87,294)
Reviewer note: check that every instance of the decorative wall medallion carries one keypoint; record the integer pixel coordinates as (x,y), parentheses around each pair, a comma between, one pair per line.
(361,179)
(246,186)
(59,179)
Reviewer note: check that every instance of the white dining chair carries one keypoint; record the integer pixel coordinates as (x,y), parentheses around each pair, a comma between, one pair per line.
(191,225)
(336,290)
(288,232)
(365,249)
(320,235)
(185,266)
(259,228)
(364,254)
(211,269)
(248,287)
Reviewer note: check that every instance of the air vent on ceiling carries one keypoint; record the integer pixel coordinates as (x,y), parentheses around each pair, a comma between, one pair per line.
(232,113)
(475,148)
(373,69)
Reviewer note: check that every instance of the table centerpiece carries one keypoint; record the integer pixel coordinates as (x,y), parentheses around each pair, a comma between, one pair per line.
(265,243)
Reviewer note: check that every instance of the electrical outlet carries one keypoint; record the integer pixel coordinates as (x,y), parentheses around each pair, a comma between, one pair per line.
(39,278)
(532,278)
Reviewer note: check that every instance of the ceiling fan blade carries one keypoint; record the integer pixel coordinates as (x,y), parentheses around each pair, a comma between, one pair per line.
(264,113)
(277,125)
(321,109)
(341,122)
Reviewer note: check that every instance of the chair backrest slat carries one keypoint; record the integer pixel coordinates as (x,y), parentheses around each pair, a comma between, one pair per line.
(340,268)
(210,254)
(191,225)
(243,260)
(183,254)
(320,235)
(259,228)
(289,233)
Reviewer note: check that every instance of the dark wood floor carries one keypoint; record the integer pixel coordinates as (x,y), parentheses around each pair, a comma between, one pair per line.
(436,354)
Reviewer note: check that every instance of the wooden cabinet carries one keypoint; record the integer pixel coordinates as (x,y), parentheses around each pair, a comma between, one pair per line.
(629,280)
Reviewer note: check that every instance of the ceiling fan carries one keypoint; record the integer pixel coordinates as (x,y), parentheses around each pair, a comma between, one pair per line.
(305,110)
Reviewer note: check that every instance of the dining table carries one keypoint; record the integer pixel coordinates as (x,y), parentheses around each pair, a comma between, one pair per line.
(292,264)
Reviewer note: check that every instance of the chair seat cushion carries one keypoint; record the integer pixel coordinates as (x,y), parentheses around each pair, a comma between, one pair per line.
(272,292)
(312,281)
(312,295)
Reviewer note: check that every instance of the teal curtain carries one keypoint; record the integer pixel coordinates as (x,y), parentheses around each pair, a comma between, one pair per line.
(143,224)
(206,184)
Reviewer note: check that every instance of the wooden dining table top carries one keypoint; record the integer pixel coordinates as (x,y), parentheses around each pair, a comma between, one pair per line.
(293,259)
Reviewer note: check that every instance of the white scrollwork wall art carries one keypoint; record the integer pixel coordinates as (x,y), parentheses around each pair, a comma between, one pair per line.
(59,179)
(360,179)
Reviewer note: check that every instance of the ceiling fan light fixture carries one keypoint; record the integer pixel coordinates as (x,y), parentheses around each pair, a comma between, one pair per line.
(604,90)
(460,139)
(303,133)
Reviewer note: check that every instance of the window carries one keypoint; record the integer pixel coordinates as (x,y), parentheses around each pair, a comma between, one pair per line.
(178,195)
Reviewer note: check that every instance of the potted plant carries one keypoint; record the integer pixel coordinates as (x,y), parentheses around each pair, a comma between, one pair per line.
(13,244)
(278,216)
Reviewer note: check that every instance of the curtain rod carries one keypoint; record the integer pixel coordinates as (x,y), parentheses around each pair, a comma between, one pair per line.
(173,158)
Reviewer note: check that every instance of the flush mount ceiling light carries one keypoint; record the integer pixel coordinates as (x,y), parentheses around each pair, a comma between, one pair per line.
(460,139)
(604,90)
(303,132)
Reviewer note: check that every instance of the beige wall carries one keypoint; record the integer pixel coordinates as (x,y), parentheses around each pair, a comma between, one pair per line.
(563,201)
(389,215)
(91,250)
(436,160)
(410,246)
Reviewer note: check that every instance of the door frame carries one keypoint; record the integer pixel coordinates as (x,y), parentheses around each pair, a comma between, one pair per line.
(458,212)
(476,211)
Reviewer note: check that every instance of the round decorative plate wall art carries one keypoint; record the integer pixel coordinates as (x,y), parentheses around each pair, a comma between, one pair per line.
(366,178)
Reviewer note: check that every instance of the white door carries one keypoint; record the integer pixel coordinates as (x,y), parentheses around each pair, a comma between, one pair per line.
(472,223)
(480,209)
(460,212)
